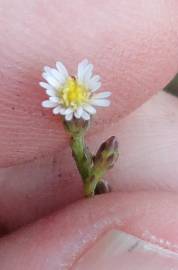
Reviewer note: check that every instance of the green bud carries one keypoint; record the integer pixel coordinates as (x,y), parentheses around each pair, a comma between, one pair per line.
(107,154)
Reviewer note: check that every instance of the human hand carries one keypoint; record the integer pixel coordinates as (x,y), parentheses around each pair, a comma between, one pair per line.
(135,49)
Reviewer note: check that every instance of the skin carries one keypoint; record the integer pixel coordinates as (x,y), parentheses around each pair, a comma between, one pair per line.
(43,246)
(143,57)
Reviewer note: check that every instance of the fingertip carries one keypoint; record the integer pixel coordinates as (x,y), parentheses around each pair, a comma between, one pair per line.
(133,46)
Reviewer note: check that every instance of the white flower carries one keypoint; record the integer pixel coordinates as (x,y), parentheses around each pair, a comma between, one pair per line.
(73,96)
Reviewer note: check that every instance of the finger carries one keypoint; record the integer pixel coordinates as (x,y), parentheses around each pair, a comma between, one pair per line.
(148,147)
(148,140)
(133,46)
(57,242)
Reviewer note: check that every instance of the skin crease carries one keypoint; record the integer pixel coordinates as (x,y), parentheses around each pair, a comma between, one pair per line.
(143,57)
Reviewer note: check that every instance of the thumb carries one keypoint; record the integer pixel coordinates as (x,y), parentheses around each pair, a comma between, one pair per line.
(86,236)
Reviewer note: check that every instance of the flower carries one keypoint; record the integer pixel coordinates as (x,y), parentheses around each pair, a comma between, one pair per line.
(73,96)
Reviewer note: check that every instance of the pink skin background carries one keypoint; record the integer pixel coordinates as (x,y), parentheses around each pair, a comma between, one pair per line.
(134,46)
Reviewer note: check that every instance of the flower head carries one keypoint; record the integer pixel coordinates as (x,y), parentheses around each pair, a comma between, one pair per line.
(73,96)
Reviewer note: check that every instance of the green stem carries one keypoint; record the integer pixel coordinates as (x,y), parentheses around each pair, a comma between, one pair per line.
(91,174)
(81,155)
(91,168)
(92,181)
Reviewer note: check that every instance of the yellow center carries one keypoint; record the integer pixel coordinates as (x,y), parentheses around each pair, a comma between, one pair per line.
(73,95)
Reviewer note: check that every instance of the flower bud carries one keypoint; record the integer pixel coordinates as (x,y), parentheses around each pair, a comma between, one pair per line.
(107,154)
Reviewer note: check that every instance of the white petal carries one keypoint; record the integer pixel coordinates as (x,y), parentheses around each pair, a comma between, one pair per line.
(94,86)
(54,99)
(90,109)
(102,95)
(51,93)
(81,67)
(55,74)
(62,69)
(51,80)
(58,76)
(84,71)
(68,111)
(47,69)
(76,115)
(78,112)
(94,83)
(96,78)
(57,110)
(87,76)
(85,116)
(62,111)
(100,102)
(83,64)
(46,86)
(69,116)
(48,104)
(87,73)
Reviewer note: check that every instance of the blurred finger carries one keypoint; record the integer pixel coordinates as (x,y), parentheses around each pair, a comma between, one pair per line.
(59,241)
(133,46)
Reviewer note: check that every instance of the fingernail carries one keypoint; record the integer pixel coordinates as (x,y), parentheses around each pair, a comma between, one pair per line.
(118,250)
